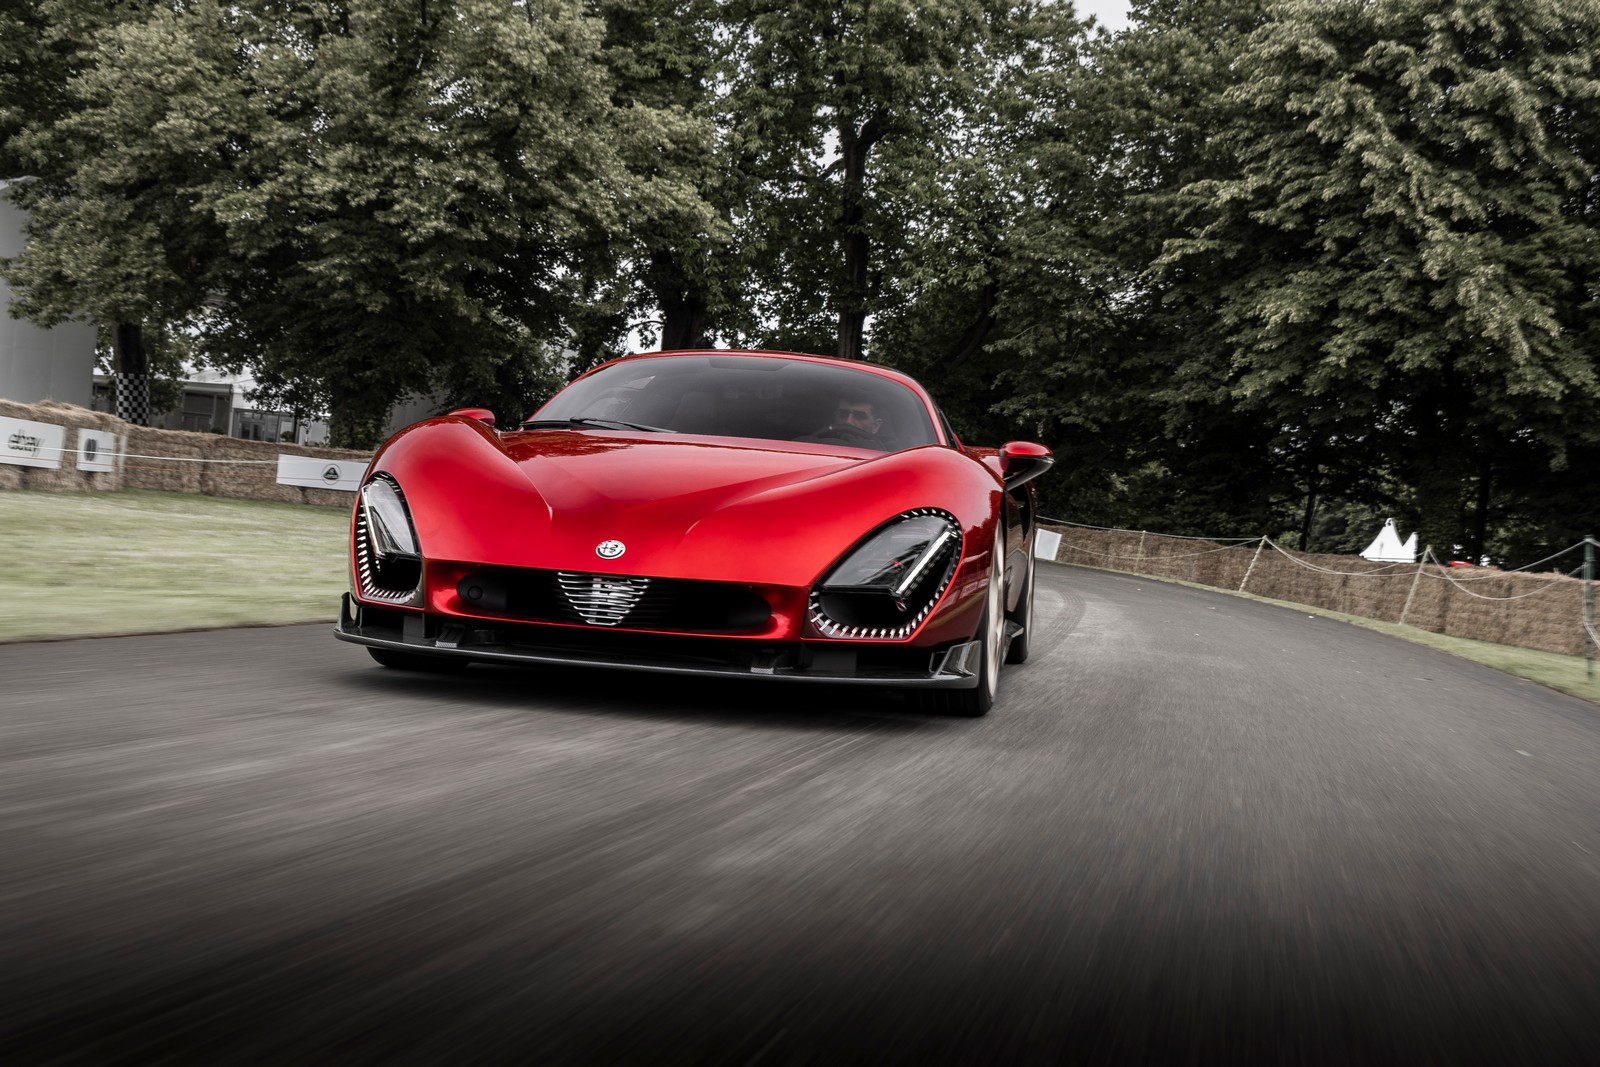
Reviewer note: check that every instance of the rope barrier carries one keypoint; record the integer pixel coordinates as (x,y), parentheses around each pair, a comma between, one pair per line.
(1348,574)
(1446,577)
(1123,555)
(184,459)
(1515,570)
(1123,529)
(1240,542)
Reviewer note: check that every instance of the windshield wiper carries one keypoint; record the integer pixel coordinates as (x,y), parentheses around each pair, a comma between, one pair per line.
(604,424)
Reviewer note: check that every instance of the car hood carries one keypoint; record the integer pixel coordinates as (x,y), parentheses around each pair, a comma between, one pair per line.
(690,507)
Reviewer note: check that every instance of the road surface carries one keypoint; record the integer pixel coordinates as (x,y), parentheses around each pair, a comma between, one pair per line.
(1195,828)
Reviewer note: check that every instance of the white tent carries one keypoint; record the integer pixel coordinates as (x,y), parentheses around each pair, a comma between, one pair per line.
(1386,547)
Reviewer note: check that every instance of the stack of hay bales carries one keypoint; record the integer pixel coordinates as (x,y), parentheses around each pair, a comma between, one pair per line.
(1178,558)
(68,478)
(174,461)
(248,470)
(1538,611)
(168,460)
(65,477)
(1346,584)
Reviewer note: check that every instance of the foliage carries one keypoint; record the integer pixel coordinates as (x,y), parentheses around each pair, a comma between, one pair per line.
(362,200)
(1250,265)
(1400,263)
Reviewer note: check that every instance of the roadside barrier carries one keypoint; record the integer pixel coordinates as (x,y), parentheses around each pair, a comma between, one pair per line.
(1546,611)
(64,448)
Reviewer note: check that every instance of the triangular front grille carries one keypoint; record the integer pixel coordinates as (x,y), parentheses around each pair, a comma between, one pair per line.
(601,599)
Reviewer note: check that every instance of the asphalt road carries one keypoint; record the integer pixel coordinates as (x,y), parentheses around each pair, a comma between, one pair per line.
(1195,829)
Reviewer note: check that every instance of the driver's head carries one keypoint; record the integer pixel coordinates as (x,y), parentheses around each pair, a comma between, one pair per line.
(858,413)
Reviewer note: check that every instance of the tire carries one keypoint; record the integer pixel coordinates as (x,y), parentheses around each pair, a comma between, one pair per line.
(975,702)
(1017,651)
(417,661)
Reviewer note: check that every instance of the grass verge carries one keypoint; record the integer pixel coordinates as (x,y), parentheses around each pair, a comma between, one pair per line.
(137,561)
(1569,674)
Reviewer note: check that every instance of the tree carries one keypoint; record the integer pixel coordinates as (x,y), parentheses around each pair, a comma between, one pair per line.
(828,93)
(361,200)
(113,231)
(675,251)
(1404,254)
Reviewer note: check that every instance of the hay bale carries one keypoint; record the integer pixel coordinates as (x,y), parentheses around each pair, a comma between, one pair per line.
(245,470)
(329,498)
(68,478)
(1552,619)
(84,419)
(64,477)
(168,460)
(1539,611)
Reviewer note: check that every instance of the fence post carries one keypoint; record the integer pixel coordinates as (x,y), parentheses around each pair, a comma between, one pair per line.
(1247,570)
(1588,604)
(1422,561)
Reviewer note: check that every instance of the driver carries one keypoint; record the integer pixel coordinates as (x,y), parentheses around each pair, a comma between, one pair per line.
(855,422)
(858,413)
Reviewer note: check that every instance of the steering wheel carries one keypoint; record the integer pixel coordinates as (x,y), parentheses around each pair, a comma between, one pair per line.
(849,434)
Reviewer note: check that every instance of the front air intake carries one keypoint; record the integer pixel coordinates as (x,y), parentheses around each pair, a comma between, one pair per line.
(601,599)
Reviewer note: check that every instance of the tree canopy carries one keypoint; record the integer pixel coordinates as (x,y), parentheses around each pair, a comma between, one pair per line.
(1249,266)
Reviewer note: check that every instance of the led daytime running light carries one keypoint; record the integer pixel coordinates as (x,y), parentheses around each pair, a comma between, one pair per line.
(939,548)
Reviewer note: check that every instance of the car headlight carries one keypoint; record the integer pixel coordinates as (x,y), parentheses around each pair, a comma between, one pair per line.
(388,559)
(886,585)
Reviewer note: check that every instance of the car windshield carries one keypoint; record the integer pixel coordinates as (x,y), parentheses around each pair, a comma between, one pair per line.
(760,397)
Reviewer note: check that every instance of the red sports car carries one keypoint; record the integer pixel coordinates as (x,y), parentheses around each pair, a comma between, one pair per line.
(753,514)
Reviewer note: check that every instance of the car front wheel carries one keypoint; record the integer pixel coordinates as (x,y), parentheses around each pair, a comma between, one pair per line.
(976,702)
(1017,650)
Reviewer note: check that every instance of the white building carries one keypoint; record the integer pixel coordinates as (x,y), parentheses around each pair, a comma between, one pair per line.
(38,364)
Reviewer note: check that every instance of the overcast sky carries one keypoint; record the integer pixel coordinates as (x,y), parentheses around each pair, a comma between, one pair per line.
(1112,14)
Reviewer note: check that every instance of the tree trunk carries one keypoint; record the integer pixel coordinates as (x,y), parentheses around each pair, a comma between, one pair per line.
(683,308)
(132,369)
(854,295)
(357,418)
(1480,516)
(1311,512)
(1439,451)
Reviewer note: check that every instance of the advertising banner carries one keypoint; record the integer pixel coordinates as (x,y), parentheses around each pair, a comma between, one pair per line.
(314,473)
(97,450)
(1046,543)
(31,444)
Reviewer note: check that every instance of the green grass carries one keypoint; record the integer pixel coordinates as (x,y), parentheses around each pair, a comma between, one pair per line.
(1569,674)
(145,562)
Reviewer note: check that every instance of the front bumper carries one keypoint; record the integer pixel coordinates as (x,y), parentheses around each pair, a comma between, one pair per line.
(950,667)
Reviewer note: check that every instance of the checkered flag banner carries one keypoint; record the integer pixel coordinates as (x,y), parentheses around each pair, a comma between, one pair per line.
(133,399)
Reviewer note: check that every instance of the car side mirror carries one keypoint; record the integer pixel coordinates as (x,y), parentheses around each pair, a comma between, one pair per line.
(483,415)
(1023,461)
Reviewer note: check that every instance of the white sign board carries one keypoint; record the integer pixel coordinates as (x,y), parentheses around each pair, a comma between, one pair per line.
(31,444)
(1046,543)
(314,473)
(97,450)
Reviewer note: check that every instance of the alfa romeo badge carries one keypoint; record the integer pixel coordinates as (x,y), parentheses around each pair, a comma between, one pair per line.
(610,549)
